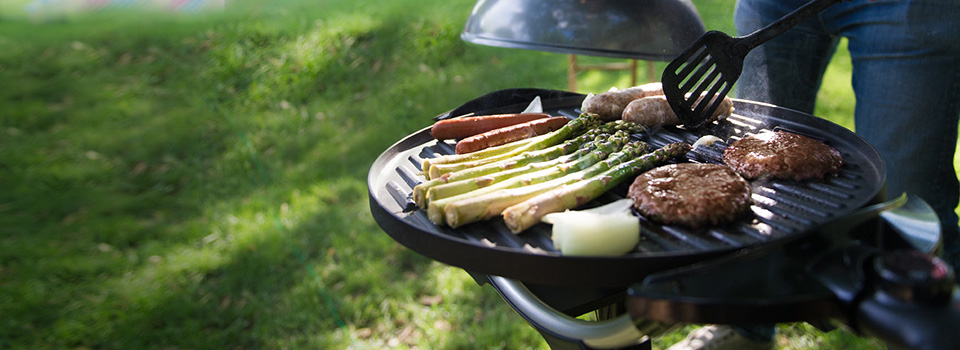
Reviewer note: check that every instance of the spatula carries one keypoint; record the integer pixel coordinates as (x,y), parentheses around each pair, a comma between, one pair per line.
(712,64)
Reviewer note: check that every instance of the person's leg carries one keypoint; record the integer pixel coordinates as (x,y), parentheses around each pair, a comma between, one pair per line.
(722,337)
(787,70)
(906,77)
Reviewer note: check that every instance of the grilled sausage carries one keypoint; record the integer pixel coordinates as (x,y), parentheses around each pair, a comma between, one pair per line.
(458,128)
(609,105)
(656,111)
(510,134)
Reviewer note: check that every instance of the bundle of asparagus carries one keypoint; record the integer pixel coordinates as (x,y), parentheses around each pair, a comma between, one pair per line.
(488,205)
(514,162)
(571,165)
(520,160)
(438,204)
(601,141)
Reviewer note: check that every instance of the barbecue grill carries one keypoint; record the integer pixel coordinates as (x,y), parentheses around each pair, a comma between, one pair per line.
(807,251)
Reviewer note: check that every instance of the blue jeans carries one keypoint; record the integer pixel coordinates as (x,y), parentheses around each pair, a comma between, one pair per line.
(906,79)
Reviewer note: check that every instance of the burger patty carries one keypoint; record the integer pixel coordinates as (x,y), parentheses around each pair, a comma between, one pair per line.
(782,155)
(690,194)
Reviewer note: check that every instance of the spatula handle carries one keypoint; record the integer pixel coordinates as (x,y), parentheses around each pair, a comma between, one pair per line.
(752,40)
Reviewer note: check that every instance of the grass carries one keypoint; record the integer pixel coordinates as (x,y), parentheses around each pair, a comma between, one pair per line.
(198,181)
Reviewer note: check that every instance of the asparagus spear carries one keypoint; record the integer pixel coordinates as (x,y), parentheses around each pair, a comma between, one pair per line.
(481,154)
(491,204)
(576,126)
(463,186)
(436,208)
(522,216)
(454,188)
(420,190)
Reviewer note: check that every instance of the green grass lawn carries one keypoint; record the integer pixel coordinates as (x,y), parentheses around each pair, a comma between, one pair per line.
(199,181)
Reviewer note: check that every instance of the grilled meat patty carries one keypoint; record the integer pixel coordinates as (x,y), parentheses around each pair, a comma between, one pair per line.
(782,155)
(690,194)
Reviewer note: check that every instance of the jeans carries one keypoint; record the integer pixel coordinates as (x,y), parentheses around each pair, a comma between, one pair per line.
(906,79)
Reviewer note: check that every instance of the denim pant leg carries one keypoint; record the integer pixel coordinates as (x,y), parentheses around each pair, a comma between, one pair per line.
(906,77)
(787,70)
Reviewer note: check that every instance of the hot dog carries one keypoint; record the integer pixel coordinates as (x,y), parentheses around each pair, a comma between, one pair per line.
(656,111)
(609,105)
(459,128)
(510,134)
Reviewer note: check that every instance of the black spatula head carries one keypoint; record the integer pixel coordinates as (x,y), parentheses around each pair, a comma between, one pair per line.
(697,80)
(707,69)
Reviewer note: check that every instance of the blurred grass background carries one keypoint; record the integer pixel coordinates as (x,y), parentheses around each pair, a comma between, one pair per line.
(194,181)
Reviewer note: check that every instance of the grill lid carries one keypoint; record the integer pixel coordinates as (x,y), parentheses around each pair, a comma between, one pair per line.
(645,29)
(782,210)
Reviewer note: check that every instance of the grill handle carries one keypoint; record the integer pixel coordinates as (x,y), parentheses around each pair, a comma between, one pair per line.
(617,333)
(915,304)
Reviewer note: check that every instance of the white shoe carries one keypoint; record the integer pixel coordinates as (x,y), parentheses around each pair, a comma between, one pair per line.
(719,337)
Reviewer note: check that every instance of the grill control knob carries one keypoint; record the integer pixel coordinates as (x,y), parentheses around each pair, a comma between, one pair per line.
(914,276)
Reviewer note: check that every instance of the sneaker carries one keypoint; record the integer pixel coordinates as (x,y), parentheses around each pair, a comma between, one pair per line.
(953,260)
(718,337)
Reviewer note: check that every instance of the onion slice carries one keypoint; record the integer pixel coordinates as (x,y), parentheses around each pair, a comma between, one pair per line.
(535,106)
(607,230)
(706,140)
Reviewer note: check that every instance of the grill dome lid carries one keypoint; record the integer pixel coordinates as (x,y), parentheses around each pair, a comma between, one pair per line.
(638,29)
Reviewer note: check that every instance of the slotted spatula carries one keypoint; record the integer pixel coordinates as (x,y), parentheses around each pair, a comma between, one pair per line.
(712,64)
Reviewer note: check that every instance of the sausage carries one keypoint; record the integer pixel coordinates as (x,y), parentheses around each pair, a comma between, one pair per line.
(656,111)
(650,111)
(609,105)
(458,128)
(510,134)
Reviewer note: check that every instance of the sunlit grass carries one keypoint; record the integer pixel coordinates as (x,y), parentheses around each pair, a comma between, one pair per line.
(204,187)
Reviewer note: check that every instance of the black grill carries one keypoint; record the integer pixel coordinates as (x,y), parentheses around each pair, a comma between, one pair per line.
(802,253)
(781,209)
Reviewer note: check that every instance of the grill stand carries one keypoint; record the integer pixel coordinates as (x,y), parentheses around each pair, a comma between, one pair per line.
(562,330)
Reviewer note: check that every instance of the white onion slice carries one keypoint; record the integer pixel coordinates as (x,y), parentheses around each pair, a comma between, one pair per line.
(589,234)
(535,106)
(606,230)
(706,140)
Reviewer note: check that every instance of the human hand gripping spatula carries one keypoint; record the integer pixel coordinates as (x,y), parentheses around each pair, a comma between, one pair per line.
(712,64)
